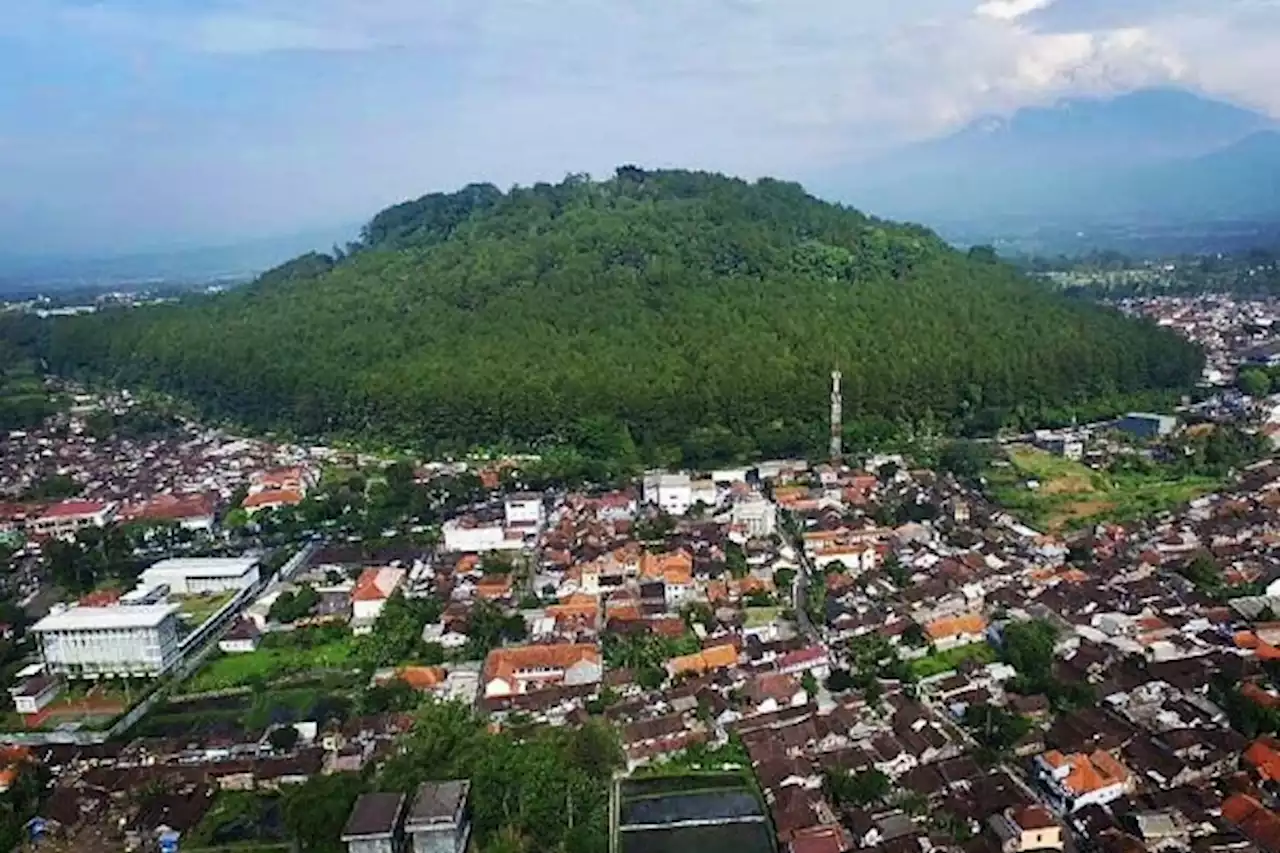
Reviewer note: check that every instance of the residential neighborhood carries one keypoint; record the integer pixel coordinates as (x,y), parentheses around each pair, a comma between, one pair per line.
(1062,640)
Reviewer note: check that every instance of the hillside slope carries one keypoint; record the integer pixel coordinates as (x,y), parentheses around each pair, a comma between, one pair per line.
(664,310)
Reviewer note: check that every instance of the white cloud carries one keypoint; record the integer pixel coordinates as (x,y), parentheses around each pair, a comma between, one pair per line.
(1009,10)
(405,95)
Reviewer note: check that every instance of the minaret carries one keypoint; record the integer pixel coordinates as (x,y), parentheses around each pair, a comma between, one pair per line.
(837,417)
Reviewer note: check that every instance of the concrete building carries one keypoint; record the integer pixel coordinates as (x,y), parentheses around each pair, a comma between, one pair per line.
(196,575)
(518,670)
(524,510)
(63,520)
(376,824)
(439,820)
(139,641)
(1145,425)
(372,591)
(758,515)
(469,536)
(672,493)
(32,695)
(1026,828)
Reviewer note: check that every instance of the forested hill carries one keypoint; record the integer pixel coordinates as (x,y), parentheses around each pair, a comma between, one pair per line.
(655,310)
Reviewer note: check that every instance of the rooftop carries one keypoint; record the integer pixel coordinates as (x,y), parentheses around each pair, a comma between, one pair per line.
(205,567)
(437,803)
(374,815)
(102,618)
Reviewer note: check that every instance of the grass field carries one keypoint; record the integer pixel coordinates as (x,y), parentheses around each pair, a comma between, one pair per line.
(1071,495)
(941,662)
(760,616)
(268,664)
(198,608)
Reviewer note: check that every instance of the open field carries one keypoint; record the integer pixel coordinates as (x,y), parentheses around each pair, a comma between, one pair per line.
(268,664)
(936,664)
(1070,494)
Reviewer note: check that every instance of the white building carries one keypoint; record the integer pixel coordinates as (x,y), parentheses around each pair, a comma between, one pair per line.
(470,536)
(524,510)
(194,575)
(757,515)
(672,493)
(34,694)
(93,642)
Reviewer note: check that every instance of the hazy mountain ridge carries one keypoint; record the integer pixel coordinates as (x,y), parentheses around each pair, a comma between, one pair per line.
(1157,157)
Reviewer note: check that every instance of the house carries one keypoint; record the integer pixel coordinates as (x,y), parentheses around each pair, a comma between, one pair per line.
(370,595)
(376,824)
(675,570)
(63,520)
(1078,780)
(1026,828)
(439,821)
(196,512)
(758,516)
(470,534)
(950,632)
(524,509)
(243,638)
(291,479)
(1263,755)
(810,659)
(270,499)
(707,660)
(526,669)
(32,695)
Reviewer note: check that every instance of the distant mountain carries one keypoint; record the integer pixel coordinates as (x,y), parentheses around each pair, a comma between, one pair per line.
(1158,155)
(19,273)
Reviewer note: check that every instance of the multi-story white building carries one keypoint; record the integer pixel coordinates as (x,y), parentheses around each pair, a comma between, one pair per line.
(524,510)
(140,641)
(672,493)
(758,515)
(195,575)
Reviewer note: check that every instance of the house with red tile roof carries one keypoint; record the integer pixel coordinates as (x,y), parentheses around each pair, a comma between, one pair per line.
(519,670)
(1078,780)
(370,595)
(66,518)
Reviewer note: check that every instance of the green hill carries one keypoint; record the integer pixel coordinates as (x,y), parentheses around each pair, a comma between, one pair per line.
(655,310)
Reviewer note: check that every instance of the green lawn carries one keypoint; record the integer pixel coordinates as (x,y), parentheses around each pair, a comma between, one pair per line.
(759,616)
(198,608)
(268,664)
(941,662)
(1072,495)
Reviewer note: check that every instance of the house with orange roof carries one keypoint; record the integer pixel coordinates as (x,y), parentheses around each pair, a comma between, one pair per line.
(519,670)
(707,660)
(422,678)
(953,631)
(372,590)
(577,611)
(271,499)
(1077,780)
(498,587)
(675,570)
(1255,821)
(1263,755)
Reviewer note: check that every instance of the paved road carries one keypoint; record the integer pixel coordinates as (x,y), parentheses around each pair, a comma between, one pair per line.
(800,587)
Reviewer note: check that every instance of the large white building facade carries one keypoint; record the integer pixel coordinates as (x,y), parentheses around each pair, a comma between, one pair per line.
(196,575)
(140,641)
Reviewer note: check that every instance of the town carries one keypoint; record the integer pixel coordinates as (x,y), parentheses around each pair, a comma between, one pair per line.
(1055,641)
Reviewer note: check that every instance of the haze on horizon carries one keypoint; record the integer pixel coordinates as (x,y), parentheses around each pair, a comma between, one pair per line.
(144,124)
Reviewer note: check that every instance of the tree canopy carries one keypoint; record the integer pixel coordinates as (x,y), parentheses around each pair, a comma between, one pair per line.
(651,315)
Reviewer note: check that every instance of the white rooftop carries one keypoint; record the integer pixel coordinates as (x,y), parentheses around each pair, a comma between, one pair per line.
(102,618)
(204,567)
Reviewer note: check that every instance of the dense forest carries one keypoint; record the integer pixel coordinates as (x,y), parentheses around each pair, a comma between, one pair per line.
(647,317)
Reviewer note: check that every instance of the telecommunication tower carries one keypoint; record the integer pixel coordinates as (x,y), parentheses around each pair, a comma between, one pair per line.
(837,417)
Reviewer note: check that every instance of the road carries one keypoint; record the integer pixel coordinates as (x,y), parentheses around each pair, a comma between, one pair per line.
(800,586)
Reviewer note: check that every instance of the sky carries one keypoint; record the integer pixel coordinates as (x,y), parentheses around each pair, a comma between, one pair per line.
(132,125)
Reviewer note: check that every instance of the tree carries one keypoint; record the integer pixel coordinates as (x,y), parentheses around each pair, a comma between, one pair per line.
(1028,647)
(397,634)
(1254,382)
(315,811)
(994,727)
(283,738)
(809,683)
(857,789)
(965,459)
(292,606)
(783,579)
(914,636)
(651,678)
(839,681)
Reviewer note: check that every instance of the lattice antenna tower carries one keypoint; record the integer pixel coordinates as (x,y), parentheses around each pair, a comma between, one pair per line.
(837,418)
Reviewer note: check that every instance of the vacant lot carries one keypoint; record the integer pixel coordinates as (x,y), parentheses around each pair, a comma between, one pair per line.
(936,664)
(1067,494)
(270,663)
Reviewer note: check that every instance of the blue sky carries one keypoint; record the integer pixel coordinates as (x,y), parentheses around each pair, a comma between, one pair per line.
(136,124)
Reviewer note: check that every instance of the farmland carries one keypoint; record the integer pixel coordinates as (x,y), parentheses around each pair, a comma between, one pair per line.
(1054,494)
